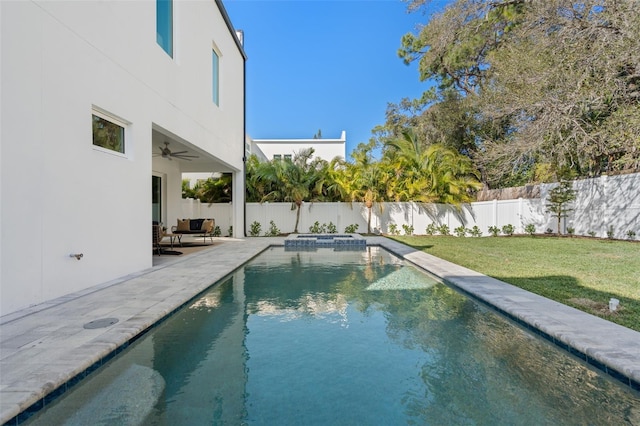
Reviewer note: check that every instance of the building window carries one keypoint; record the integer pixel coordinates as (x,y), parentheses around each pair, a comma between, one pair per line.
(164,25)
(215,76)
(277,157)
(108,134)
(287,156)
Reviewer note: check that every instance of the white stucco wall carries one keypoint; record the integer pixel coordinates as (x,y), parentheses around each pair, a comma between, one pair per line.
(61,195)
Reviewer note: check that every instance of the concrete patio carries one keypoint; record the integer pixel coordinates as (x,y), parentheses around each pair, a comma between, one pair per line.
(46,348)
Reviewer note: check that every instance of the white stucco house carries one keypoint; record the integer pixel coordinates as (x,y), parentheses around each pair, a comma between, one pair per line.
(269,149)
(91,92)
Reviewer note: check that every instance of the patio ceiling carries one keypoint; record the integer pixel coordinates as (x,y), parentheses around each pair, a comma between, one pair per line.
(204,163)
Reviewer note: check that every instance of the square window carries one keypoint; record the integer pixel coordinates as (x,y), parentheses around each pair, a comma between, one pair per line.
(287,156)
(107,134)
(277,157)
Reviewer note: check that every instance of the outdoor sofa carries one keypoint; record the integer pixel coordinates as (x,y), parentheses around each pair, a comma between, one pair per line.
(195,227)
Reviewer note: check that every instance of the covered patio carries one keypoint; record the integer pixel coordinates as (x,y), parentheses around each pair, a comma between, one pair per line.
(173,156)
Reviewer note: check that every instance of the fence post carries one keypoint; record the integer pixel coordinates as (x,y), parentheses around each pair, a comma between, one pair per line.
(605,207)
(520,208)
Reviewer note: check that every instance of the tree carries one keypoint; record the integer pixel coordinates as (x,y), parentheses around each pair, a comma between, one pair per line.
(564,80)
(559,200)
(295,181)
(540,86)
(453,47)
(364,180)
(433,174)
(187,191)
(216,190)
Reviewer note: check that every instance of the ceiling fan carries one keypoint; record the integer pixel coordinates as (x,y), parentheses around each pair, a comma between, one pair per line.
(166,153)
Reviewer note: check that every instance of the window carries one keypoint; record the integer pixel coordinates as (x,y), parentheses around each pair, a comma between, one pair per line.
(287,156)
(156,197)
(215,77)
(107,134)
(164,25)
(277,157)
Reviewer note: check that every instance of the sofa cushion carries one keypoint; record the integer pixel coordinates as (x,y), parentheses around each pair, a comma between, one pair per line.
(207,225)
(195,224)
(183,225)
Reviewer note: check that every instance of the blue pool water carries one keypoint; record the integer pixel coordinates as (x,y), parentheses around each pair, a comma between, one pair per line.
(340,338)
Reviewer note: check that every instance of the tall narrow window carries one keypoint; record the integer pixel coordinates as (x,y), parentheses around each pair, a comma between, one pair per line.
(107,134)
(164,25)
(215,76)
(156,197)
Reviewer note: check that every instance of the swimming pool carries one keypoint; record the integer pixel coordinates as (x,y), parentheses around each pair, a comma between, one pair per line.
(340,338)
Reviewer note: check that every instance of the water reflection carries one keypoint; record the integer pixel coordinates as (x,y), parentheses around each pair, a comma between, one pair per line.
(347,338)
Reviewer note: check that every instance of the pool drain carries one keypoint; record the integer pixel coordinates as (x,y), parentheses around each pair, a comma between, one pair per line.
(100,323)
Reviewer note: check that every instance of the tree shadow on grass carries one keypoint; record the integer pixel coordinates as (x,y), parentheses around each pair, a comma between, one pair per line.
(566,290)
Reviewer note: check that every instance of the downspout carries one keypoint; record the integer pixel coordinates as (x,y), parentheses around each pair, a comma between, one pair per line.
(244,142)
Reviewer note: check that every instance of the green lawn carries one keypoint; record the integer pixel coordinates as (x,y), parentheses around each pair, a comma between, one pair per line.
(579,272)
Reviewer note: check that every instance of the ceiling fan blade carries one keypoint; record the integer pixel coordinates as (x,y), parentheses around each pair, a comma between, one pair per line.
(179,152)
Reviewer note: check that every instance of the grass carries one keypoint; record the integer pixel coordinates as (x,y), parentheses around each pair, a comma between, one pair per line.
(580,272)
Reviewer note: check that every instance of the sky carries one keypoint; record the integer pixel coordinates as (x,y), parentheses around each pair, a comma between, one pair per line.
(328,65)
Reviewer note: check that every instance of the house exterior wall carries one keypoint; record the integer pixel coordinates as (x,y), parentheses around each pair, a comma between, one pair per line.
(326,149)
(62,59)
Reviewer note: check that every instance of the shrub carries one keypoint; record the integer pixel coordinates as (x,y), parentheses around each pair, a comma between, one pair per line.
(431,229)
(408,229)
(331,228)
(230,231)
(494,231)
(631,234)
(351,229)
(530,229)
(610,232)
(393,229)
(508,229)
(460,231)
(216,231)
(255,229)
(571,230)
(273,230)
(592,233)
(475,231)
(317,229)
(444,229)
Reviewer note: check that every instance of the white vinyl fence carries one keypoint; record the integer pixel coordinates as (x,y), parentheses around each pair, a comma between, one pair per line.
(601,203)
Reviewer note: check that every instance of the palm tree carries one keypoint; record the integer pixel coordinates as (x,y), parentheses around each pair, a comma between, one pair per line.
(432,174)
(364,180)
(294,181)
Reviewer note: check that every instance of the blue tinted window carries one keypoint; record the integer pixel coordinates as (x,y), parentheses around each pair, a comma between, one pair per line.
(215,77)
(164,25)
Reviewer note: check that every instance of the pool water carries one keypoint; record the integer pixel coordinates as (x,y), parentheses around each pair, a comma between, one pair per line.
(341,338)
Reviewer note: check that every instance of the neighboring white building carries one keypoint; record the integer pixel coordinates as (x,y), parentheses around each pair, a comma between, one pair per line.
(327,149)
(91,90)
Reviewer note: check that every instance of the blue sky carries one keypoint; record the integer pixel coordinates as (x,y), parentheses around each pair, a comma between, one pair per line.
(330,65)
